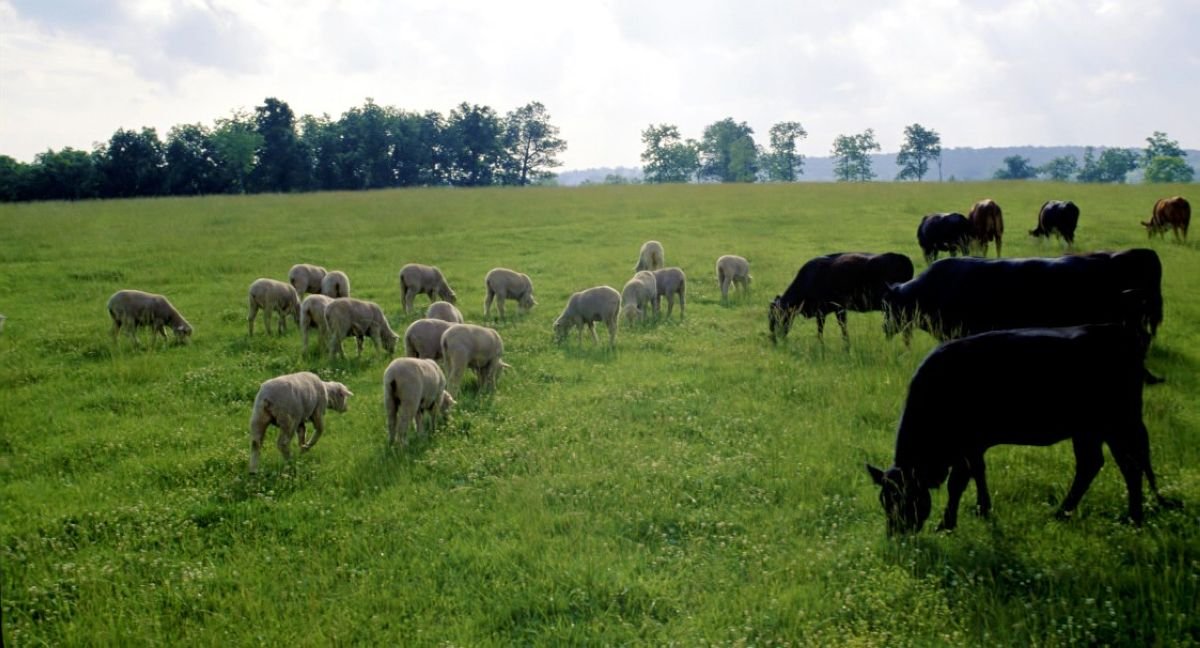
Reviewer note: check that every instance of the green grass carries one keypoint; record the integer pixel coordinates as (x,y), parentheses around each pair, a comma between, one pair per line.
(697,486)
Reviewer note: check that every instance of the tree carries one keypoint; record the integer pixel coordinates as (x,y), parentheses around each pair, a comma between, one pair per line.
(366,147)
(853,153)
(1158,145)
(419,157)
(132,164)
(472,145)
(14,179)
(1112,165)
(282,163)
(668,158)
(69,174)
(236,142)
(1060,169)
(321,137)
(531,144)
(728,152)
(783,163)
(193,167)
(921,145)
(1164,160)
(1016,167)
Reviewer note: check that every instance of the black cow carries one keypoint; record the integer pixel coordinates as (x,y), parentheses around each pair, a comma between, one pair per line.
(1021,387)
(836,283)
(1057,217)
(968,295)
(944,232)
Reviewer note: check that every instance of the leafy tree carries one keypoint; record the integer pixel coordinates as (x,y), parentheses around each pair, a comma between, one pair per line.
(321,137)
(193,166)
(1060,169)
(1159,145)
(236,142)
(282,162)
(472,145)
(783,163)
(366,146)
(853,153)
(1169,169)
(1016,167)
(14,179)
(668,158)
(69,174)
(921,145)
(132,164)
(531,144)
(1112,165)
(728,152)
(419,156)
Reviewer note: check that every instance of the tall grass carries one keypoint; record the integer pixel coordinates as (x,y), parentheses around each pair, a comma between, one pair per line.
(696,486)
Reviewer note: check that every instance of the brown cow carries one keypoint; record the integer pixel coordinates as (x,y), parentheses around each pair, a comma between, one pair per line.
(1175,213)
(987,224)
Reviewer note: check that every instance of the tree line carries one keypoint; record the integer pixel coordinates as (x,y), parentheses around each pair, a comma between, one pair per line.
(270,150)
(1161,161)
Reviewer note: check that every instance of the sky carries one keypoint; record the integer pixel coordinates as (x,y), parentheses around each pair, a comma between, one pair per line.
(982,73)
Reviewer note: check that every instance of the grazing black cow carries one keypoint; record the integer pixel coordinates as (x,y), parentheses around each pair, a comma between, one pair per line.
(836,283)
(1057,217)
(944,232)
(1021,387)
(956,297)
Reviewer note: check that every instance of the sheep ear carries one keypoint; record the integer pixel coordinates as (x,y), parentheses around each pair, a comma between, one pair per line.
(876,474)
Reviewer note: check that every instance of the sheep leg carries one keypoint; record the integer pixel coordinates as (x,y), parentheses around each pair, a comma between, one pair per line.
(454,380)
(389,405)
(682,301)
(406,417)
(335,344)
(284,441)
(318,421)
(282,321)
(592,329)
(409,295)
(500,306)
(358,340)
(252,313)
(258,428)
(670,305)
(487,303)
(304,336)
(267,320)
(421,431)
(612,331)
(301,433)
(724,288)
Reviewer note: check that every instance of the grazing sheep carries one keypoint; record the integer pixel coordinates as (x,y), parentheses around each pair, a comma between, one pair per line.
(349,316)
(417,279)
(585,308)
(288,402)
(638,293)
(134,308)
(423,338)
(444,311)
(270,296)
(501,284)
(335,284)
(477,347)
(306,278)
(732,269)
(312,315)
(413,388)
(651,257)
(670,282)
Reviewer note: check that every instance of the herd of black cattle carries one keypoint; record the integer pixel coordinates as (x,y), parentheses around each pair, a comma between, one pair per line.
(1035,351)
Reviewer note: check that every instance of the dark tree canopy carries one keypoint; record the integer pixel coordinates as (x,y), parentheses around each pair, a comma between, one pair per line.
(921,146)
(531,143)
(728,152)
(667,157)
(853,156)
(783,163)
(1016,167)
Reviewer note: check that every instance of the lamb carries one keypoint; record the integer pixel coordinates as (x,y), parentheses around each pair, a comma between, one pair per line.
(651,257)
(417,279)
(585,308)
(444,311)
(335,284)
(732,269)
(477,347)
(350,316)
(312,315)
(413,388)
(423,338)
(638,293)
(270,295)
(670,282)
(134,308)
(288,402)
(501,284)
(306,278)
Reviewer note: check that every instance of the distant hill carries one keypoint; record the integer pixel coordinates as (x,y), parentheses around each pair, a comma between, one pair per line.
(957,163)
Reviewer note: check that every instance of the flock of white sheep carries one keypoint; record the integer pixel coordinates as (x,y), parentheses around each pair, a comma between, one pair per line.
(415,386)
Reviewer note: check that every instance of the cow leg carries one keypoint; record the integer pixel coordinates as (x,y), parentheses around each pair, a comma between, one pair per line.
(841,319)
(1089,457)
(820,326)
(1131,467)
(960,474)
(997,247)
(983,499)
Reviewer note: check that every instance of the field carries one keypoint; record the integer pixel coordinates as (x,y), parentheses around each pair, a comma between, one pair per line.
(697,486)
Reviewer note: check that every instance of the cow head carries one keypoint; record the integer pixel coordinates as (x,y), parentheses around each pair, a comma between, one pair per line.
(1153,228)
(906,504)
(779,318)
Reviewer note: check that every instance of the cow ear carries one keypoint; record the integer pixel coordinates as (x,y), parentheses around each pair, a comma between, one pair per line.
(876,474)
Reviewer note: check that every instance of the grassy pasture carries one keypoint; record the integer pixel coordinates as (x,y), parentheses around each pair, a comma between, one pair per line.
(697,486)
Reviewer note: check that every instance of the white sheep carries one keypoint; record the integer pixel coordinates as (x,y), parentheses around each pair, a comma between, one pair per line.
(349,316)
(733,269)
(412,388)
(585,308)
(134,308)
(312,316)
(306,278)
(288,402)
(670,282)
(444,311)
(423,338)
(502,284)
(651,257)
(417,279)
(469,346)
(272,296)
(335,284)
(638,293)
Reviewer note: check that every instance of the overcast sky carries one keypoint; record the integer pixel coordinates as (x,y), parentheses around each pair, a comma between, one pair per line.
(984,73)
